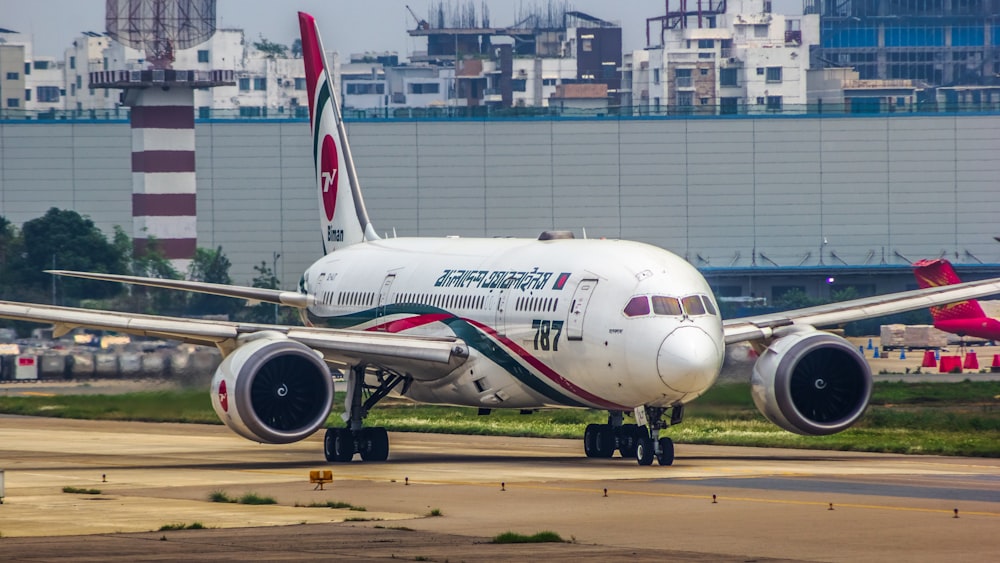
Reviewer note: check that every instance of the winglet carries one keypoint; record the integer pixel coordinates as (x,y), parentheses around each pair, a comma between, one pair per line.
(343,217)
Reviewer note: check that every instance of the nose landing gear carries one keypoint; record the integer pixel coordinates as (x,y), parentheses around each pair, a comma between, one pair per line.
(652,445)
(640,441)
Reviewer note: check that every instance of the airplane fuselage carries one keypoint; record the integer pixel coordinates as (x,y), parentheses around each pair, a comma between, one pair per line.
(596,323)
(980,327)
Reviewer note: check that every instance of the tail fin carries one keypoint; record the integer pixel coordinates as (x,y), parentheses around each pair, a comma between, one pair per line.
(343,216)
(936,273)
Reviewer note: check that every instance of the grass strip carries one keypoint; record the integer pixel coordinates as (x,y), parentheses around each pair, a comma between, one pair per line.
(79,491)
(540,537)
(930,418)
(171,527)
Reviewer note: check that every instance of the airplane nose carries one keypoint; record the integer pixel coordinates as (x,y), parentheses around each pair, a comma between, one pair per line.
(688,360)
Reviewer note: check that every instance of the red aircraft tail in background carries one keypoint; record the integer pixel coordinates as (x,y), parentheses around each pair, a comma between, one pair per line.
(965,318)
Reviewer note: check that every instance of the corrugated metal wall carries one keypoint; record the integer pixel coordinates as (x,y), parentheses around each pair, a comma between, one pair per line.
(742,191)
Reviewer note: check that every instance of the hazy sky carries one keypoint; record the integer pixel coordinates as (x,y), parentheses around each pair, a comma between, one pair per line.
(348,26)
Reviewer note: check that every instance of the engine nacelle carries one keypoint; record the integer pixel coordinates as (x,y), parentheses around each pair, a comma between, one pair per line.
(811,382)
(273,390)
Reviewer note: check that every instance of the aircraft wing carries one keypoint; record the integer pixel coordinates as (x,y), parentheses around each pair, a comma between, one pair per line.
(423,357)
(763,326)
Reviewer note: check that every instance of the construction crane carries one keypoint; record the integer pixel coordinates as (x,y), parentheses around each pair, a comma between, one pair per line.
(421,24)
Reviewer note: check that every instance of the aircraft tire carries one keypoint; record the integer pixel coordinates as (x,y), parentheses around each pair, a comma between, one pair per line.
(604,441)
(666,456)
(589,439)
(328,440)
(644,450)
(628,439)
(374,444)
(343,444)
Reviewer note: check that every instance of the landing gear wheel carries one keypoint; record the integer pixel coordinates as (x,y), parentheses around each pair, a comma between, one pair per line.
(589,439)
(343,444)
(644,450)
(666,455)
(628,439)
(328,446)
(374,444)
(604,441)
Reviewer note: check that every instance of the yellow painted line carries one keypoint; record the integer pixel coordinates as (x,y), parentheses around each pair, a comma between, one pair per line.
(37,394)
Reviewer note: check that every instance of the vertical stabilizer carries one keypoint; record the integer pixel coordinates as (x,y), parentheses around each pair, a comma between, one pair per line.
(343,217)
(936,273)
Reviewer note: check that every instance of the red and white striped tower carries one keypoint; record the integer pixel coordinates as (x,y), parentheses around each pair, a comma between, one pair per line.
(164,190)
(163,175)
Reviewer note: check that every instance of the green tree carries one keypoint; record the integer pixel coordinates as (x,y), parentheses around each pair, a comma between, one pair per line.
(65,240)
(271,50)
(211,266)
(264,313)
(795,298)
(844,294)
(9,243)
(269,313)
(151,263)
(297,48)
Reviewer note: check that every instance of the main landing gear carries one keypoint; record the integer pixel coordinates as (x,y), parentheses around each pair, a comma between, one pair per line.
(641,442)
(340,444)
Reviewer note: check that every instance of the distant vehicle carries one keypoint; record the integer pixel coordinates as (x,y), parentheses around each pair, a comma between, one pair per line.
(964,318)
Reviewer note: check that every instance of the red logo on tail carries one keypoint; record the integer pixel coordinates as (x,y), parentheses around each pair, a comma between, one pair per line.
(328,176)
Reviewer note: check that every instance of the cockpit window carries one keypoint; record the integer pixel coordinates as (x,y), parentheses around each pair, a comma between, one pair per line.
(637,307)
(709,306)
(693,305)
(666,305)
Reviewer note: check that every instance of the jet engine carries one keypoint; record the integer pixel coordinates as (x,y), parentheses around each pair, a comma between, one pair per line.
(812,383)
(273,390)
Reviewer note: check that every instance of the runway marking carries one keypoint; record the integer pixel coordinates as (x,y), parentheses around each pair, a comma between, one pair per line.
(37,394)
(515,485)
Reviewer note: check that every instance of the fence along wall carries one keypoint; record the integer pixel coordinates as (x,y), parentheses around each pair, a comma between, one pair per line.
(742,191)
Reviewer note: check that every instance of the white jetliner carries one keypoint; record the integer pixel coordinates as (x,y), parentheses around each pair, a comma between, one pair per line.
(499,323)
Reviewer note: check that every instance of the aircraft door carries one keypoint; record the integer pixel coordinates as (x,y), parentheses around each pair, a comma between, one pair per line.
(578,309)
(500,322)
(383,296)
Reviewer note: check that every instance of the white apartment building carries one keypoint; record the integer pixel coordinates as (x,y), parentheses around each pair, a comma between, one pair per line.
(536,79)
(27,82)
(12,79)
(90,53)
(44,84)
(750,61)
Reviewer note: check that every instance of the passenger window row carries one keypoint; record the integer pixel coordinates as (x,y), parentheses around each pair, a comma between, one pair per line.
(536,304)
(356,298)
(443,301)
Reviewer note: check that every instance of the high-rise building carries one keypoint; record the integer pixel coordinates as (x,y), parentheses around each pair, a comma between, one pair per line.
(949,45)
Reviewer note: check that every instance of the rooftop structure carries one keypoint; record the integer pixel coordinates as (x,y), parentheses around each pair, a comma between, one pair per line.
(514,65)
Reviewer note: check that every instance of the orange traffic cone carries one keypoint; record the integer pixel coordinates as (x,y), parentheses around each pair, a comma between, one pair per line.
(995,366)
(950,364)
(930,362)
(971,361)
